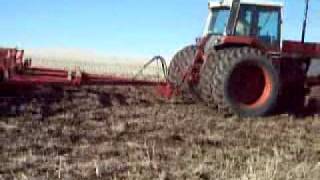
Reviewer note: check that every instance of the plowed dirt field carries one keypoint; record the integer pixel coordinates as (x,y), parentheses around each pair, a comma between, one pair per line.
(129,133)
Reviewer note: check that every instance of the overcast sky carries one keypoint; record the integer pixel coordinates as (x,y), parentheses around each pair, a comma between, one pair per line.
(124,27)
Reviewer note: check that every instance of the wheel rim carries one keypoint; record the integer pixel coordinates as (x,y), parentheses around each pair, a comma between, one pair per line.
(250,85)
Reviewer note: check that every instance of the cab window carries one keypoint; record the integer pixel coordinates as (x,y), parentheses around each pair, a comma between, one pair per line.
(261,22)
(245,20)
(268,26)
(218,21)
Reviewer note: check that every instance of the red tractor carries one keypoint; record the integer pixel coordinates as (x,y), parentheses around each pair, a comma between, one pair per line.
(242,65)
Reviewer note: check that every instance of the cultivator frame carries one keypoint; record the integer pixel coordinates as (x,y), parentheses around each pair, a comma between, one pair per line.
(15,70)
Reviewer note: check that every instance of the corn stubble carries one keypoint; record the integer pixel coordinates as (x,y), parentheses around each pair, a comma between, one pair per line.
(129,133)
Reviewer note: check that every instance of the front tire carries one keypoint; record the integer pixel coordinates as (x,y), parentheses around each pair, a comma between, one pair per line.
(245,83)
(178,67)
(206,74)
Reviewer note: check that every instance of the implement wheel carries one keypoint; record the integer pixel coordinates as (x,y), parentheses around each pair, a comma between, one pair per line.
(178,67)
(245,83)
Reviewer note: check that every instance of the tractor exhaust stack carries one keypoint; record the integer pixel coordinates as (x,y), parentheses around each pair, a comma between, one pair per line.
(304,27)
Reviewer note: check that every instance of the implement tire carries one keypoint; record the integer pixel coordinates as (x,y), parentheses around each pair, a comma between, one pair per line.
(245,83)
(178,66)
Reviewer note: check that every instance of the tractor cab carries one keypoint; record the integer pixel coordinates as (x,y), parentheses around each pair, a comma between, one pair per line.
(246,18)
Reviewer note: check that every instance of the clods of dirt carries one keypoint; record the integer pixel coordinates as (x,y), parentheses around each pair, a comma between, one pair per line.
(130,133)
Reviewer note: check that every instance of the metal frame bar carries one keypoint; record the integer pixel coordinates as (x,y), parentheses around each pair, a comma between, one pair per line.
(21,72)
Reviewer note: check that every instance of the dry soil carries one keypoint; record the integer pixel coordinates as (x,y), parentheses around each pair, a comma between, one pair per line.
(130,133)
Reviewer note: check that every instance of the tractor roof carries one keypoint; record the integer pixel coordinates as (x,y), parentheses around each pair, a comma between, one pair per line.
(228,3)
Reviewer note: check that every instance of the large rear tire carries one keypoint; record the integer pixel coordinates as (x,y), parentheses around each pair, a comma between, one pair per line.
(245,82)
(205,87)
(178,67)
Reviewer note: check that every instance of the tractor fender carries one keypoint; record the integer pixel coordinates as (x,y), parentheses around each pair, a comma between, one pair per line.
(240,41)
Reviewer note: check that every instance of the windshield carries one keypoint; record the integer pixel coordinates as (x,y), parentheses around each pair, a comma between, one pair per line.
(219,20)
